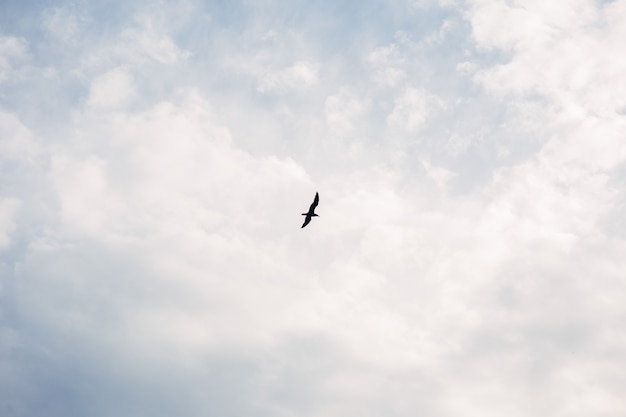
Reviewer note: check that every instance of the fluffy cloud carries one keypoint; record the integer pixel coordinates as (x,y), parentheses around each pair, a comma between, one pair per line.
(63,23)
(411,109)
(112,89)
(11,49)
(299,75)
(467,258)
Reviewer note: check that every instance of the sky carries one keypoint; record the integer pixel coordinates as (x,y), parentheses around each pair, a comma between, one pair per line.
(468,258)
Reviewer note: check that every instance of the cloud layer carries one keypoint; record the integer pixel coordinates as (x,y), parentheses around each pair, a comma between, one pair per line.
(155,158)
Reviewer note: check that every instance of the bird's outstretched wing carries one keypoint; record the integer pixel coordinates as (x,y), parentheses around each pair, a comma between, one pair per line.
(307,220)
(315,202)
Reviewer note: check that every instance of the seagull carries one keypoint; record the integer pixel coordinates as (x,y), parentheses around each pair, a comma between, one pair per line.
(311,212)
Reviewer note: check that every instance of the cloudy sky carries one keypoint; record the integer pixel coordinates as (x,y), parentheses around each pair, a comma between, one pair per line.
(469,255)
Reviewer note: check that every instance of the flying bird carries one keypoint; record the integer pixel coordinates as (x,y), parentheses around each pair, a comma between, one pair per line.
(311,212)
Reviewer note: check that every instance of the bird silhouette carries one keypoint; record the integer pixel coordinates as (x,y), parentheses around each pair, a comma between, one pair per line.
(311,212)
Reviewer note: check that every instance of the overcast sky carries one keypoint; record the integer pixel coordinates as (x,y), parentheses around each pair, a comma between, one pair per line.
(470,254)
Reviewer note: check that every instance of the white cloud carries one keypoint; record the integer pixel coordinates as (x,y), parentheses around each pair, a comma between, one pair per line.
(139,44)
(439,175)
(152,255)
(295,77)
(343,110)
(412,108)
(168,159)
(438,36)
(388,63)
(466,67)
(145,42)
(11,49)
(63,23)
(500,25)
(17,142)
(572,76)
(113,89)
(552,207)
(569,64)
